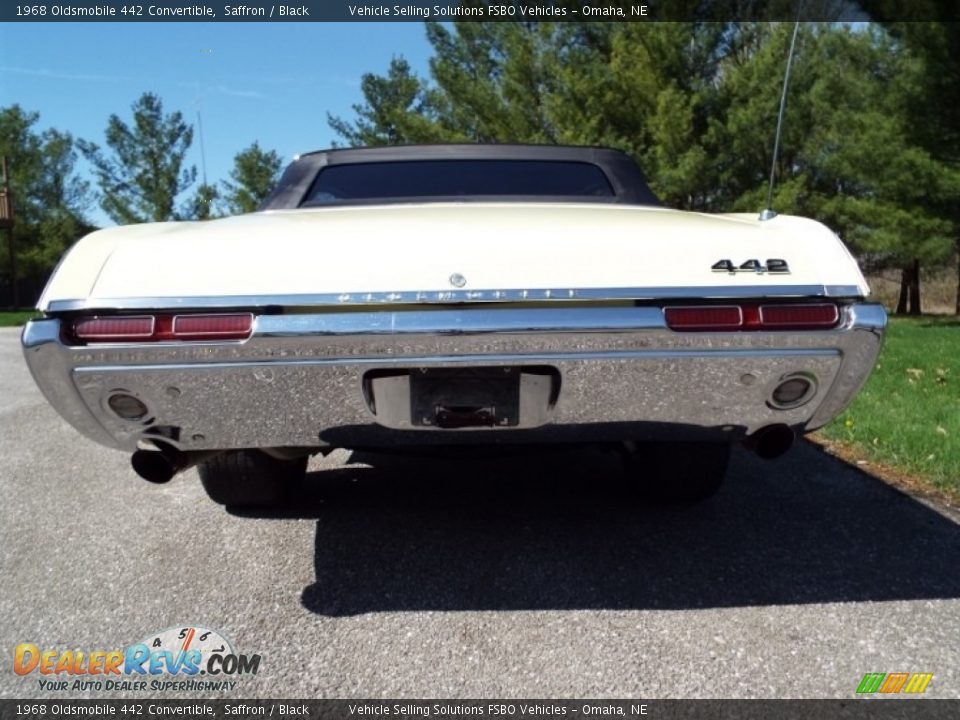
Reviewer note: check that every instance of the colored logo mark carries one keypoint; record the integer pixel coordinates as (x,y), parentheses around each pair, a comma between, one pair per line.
(893,683)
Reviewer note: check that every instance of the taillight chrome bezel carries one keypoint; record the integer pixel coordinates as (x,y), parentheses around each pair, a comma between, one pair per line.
(699,309)
(770,324)
(234,334)
(162,328)
(86,335)
(754,317)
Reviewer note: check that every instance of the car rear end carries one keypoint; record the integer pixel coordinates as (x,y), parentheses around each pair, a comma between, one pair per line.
(338,319)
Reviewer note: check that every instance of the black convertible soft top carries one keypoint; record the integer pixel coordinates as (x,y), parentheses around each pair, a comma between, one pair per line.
(461,172)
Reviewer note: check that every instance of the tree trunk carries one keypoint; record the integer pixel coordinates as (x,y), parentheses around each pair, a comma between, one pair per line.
(915,289)
(904,288)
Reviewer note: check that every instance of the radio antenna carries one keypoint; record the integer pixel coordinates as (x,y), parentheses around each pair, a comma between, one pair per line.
(768,212)
(198,98)
(203,154)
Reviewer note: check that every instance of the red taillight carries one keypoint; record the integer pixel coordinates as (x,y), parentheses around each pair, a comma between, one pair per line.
(212,327)
(155,328)
(114,329)
(788,317)
(725,318)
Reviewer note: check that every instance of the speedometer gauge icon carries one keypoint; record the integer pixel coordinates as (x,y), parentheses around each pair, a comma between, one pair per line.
(184,638)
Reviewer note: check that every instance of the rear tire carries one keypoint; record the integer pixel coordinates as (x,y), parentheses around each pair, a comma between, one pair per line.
(678,472)
(250,477)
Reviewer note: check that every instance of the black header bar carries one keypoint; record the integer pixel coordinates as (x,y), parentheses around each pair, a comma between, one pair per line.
(475,10)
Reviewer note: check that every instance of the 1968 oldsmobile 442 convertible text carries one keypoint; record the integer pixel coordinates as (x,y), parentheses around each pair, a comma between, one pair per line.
(452,295)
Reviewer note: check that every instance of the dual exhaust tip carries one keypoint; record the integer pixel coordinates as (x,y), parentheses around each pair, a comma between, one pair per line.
(160,466)
(771,441)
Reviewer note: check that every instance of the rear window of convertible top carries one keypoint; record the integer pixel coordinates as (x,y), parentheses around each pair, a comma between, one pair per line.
(457,179)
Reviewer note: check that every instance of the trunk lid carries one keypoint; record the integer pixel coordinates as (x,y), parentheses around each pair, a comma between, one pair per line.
(353,251)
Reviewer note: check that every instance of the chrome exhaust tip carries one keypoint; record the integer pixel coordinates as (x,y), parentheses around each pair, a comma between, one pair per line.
(771,441)
(160,466)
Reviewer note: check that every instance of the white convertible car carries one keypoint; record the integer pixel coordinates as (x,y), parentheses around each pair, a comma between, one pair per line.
(449,295)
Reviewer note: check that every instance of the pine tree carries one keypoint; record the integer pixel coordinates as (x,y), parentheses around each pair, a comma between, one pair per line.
(253,176)
(144,171)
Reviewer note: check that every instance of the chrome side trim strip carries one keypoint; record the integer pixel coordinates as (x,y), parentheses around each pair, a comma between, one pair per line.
(462,322)
(458,296)
(455,360)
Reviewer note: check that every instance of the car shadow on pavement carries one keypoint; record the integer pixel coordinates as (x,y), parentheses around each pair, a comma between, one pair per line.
(560,530)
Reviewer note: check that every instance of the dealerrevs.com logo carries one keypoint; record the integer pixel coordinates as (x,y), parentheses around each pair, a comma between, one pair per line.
(186,658)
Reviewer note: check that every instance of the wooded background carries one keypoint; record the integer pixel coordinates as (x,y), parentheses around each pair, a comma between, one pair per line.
(871,141)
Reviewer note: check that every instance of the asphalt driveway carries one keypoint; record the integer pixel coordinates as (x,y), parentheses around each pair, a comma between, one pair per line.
(525,576)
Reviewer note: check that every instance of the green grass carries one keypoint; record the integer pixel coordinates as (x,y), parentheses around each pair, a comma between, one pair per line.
(12,318)
(908,414)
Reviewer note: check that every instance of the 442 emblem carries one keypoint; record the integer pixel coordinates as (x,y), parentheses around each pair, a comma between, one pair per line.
(773,265)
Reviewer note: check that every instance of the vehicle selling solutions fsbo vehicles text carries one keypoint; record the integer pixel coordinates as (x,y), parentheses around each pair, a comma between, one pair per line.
(493,11)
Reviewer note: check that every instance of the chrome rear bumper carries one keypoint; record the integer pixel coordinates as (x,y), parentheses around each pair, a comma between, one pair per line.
(299,380)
